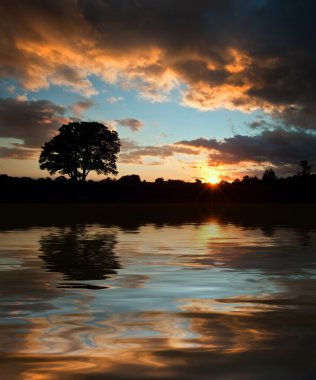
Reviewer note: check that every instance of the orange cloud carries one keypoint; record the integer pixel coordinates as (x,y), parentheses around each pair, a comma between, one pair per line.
(209,49)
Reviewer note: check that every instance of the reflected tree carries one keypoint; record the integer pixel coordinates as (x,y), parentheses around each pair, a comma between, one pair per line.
(79,255)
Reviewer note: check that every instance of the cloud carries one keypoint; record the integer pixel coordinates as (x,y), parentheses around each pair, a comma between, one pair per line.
(279,147)
(128,145)
(134,124)
(43,44)
(21,97)
(234,54)
(73,78)
(81,106)
(114,99)
(10,88)
(18,154)
(33,122)
(132,152)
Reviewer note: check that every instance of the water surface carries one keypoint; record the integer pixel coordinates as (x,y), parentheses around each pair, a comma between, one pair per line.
(147,292)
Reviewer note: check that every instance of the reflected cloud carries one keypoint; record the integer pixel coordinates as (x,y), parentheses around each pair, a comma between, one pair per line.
(190,296)
(239,345)
(282,254)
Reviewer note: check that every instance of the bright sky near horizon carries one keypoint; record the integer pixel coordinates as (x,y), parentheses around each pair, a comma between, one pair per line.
(196,89)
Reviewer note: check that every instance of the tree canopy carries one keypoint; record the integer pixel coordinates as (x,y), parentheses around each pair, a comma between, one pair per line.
(81,147)
(269,176)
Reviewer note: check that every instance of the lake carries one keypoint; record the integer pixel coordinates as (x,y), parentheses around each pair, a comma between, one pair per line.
(187,292)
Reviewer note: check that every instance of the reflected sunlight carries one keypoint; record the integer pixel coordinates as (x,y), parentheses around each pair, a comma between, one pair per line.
(168,299)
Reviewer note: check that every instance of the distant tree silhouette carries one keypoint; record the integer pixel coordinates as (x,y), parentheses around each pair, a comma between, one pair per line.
(248,180)
(81,147)
(269,176)
(296,188)
(306,168)
(159,180)
(133,178)
(61,179)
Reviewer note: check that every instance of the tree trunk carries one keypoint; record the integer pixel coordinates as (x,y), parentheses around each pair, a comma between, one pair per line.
(75,177)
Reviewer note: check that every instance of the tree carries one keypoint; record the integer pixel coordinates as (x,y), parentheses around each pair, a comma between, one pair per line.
(306,168)
(81,147)
(248,180)
(132,178)
(269,176)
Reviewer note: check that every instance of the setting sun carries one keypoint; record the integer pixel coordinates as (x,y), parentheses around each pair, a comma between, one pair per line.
(210,176)
(213,179)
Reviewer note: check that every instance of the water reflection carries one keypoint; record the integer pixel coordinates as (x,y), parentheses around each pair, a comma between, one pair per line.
(224,297)
(79,255)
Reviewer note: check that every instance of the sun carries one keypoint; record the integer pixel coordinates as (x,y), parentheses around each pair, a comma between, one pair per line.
(213,179)
(210,175)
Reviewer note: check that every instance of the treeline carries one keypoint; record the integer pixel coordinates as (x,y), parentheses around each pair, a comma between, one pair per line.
(129,189)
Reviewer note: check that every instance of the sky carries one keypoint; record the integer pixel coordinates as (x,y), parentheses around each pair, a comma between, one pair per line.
(204,89)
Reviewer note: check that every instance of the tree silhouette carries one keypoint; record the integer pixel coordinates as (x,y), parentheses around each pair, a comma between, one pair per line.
(306,168)
(132,178)
(269,176)
(79,148)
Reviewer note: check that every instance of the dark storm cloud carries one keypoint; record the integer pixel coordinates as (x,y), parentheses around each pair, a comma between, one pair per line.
(264,49)
(33,122)
(235,54)
(279,147)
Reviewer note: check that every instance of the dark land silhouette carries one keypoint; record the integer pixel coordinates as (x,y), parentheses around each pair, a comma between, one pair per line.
(130,189)
(82,147)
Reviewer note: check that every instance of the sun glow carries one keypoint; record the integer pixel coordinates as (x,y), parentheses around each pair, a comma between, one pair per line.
(210,175)
(213,179)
